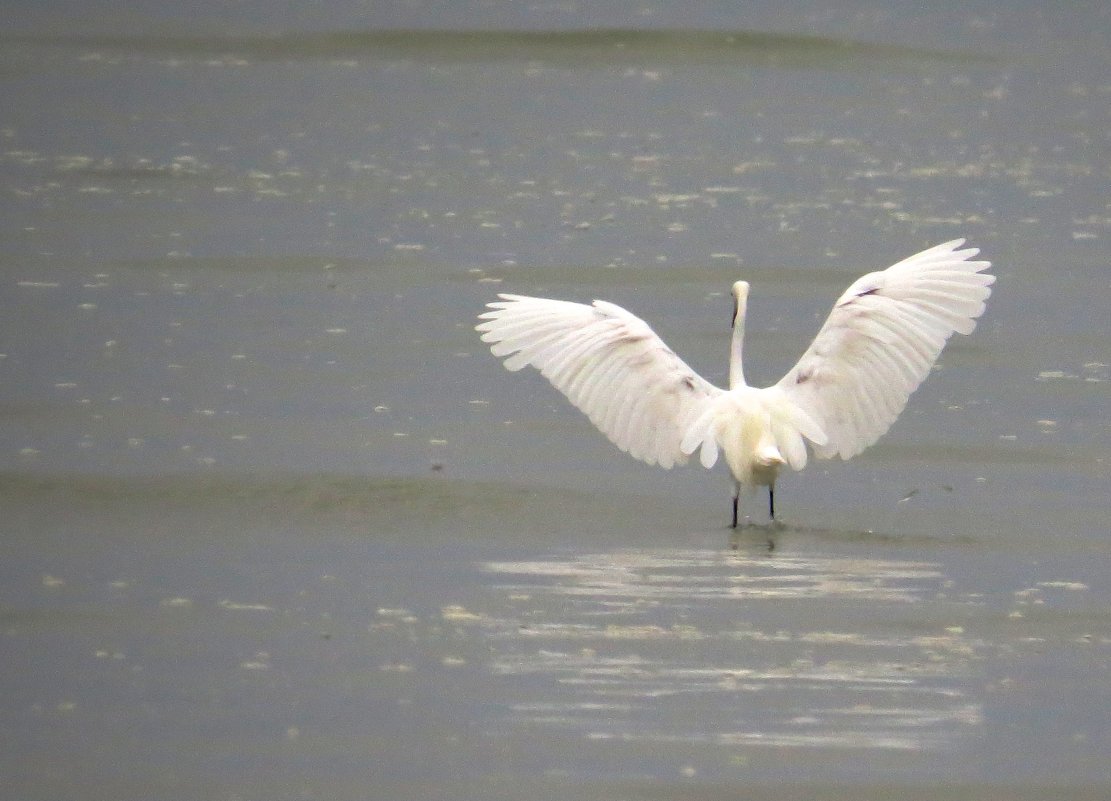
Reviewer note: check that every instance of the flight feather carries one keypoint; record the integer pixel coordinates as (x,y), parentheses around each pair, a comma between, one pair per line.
(880,341)
(609,364)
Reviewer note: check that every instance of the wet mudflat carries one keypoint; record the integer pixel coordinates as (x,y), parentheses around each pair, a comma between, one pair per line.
(276,525)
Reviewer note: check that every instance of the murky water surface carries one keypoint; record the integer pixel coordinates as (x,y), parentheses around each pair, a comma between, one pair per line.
(275,525)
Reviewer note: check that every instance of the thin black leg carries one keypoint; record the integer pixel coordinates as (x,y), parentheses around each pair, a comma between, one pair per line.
(734,511)
(771,502)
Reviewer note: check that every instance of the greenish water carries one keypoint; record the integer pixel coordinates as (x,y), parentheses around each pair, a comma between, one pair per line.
(275,524)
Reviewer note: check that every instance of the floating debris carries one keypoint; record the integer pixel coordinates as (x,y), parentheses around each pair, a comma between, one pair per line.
(459,614)
(260,662)
(1064,585)
(245,607)
(176,603)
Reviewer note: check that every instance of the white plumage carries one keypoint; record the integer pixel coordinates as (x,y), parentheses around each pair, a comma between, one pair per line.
(877,345)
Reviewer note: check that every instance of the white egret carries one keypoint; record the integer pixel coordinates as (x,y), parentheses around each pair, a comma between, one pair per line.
(877,345)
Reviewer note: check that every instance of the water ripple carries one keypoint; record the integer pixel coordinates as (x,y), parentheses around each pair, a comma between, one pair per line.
(671,645)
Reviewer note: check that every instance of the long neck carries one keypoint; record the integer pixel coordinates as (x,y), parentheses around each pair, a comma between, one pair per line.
(736,348)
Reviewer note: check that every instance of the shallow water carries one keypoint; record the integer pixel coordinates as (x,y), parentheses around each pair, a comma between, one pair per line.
(276,525)
(396,637)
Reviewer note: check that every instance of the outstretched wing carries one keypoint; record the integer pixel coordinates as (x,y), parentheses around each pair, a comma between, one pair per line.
(609,363)
(880,341)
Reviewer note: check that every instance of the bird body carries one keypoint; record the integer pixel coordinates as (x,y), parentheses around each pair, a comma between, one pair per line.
(877,345)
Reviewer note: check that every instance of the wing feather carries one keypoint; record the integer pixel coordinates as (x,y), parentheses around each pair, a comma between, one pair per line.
(880,341)
(609,364)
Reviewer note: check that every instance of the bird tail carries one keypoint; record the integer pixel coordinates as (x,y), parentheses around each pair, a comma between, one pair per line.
(767,427)
(767,454)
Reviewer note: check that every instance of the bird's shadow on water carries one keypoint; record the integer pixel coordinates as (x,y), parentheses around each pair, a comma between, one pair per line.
(755,536)
(775,534)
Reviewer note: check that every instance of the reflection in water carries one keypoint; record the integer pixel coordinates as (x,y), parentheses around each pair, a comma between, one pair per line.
(704,647)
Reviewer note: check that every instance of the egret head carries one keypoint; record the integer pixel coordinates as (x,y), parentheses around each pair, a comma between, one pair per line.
(740,299)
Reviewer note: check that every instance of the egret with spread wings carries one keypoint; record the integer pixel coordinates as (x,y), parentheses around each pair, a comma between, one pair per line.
(877,345)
